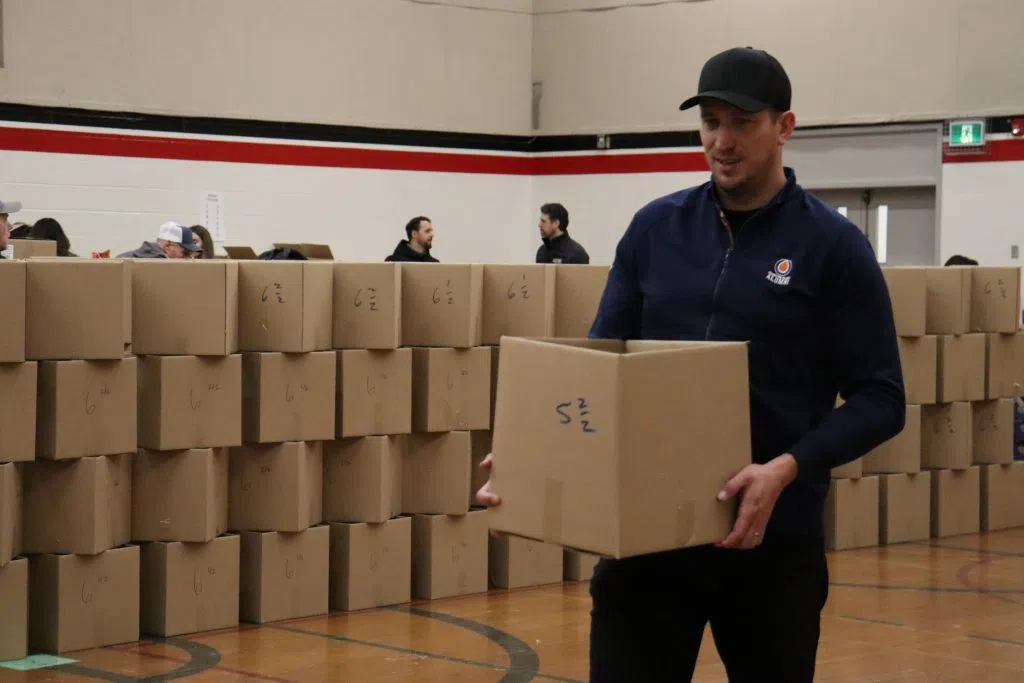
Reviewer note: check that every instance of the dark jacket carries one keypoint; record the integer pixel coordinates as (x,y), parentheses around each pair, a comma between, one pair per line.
(802,286)
(562,249)
(403,252)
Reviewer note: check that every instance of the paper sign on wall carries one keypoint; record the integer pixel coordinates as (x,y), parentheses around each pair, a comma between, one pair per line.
(211,214)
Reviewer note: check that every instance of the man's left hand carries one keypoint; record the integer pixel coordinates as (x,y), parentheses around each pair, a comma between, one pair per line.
(759,487)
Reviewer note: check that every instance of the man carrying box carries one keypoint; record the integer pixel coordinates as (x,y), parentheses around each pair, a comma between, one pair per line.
(749,256)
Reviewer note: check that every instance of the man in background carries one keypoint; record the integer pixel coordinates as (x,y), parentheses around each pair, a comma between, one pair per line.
(557,246)
(6,209)
(174,240)
(420,234)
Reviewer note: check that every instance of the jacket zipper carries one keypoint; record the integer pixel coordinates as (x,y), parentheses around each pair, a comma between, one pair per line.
(721,273)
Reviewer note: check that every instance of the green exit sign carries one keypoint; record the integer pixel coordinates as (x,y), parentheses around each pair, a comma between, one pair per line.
(966,133)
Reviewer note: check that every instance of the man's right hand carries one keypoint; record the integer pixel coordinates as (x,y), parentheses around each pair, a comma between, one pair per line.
(485,496)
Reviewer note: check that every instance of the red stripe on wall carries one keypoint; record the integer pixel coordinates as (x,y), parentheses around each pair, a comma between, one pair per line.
(1011,149)
(237,151)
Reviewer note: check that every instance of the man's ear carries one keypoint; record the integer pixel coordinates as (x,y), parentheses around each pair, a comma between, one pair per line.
(787,124)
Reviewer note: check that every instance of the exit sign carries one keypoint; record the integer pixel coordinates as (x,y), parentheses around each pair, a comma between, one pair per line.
(966,133)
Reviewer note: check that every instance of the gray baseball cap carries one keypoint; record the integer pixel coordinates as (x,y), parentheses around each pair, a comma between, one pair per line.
(10,207)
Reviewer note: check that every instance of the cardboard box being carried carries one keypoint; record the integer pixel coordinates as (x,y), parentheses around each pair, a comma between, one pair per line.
(600,445)
(285,306)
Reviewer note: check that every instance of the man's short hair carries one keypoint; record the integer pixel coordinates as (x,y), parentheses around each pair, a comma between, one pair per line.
(414,225)
(960,260)
(557,212)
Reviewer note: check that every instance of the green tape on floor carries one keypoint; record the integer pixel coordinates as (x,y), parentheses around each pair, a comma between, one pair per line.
(36,662)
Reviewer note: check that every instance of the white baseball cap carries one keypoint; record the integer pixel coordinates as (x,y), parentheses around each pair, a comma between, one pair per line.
(10,207)
(179,234)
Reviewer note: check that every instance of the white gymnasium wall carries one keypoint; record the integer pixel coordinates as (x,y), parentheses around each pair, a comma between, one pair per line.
(448,64)
(628,69)
(115,203)
(982,211)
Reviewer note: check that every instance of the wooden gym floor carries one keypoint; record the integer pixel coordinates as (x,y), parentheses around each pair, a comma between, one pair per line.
(929,612)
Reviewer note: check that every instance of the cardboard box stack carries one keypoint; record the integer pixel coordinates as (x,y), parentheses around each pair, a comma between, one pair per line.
(18,405)
(275,499)
(185,335)
(77,492)
(370,543)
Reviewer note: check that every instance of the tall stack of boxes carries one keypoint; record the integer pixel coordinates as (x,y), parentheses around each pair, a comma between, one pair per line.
(17,445)
(370,542)
(83,577)
(951,470)
(185,336)
(276,476)
(451,387)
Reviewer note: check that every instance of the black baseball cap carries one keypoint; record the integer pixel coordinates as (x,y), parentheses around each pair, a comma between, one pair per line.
(749,79)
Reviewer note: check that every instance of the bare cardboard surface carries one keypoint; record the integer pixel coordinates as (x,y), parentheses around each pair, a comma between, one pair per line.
(956,502)
(367,305)
(284,575)
(12,333)
(578,290)
(276,487)
(516,562)
(14,610)
(949,300)
(902,453)
(442,304)
(919,360)
(180,495)
(374,392)
(993,432)
(363,479)
(519,301)
(908,291)
(961,368)
(285,306)
(995,299)
(946,436)
(449,555)
(11,502)
(371,564)
(451,389)
(1002,505)
(288,397)
(851,513)
(905,507)
(1004,365)
(435,473)
(18,396)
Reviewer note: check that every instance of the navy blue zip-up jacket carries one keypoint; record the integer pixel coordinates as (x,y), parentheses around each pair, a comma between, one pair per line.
(802,286)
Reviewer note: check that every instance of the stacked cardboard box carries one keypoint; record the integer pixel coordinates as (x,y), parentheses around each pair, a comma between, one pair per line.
(185,336)
(371,544)
(276,477)
(83,578)
(451,371)
(18,406)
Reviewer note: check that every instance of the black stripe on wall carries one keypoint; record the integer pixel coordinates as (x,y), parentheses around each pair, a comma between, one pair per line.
(318,132)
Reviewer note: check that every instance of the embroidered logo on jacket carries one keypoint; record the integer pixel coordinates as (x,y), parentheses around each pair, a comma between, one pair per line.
(780,273)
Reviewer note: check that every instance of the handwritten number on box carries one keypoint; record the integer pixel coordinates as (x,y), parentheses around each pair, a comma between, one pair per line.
(576,412)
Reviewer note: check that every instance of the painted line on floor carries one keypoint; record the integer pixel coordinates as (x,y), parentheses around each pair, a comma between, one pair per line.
(201,658)
(927,589)
(136,649)
(982,551)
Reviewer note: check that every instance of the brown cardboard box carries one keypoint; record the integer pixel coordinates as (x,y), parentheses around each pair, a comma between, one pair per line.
(285,306)
(441,304)
(1004,365)
(919,359)
(277,487)
(190,402)
(515,562)
(12,333)
(11,497)
(1002,505)
(29,248)
(578,290)
(86,408)
(14,610)
(449,555)
(435,474)
(961,368)
(905,507)
(371,564)
(363,479)
(946,436)
(579,566)
(571,420)
(851,513)
(949,300)
(995,299)
(993,432)
(189,587)
(241,252)
(180,495)
(77,309)
(18,386)
(901,453)
(184,307)
(80,506)
(481,446)
(908,291)
(285,576)
(495,355)
(518,301)
(451,389)
(851,470)
(367,305)
(956,502)
(80,602)
(288,397)
(374,392)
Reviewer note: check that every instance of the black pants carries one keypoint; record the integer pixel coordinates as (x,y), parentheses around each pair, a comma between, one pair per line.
(764,606)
